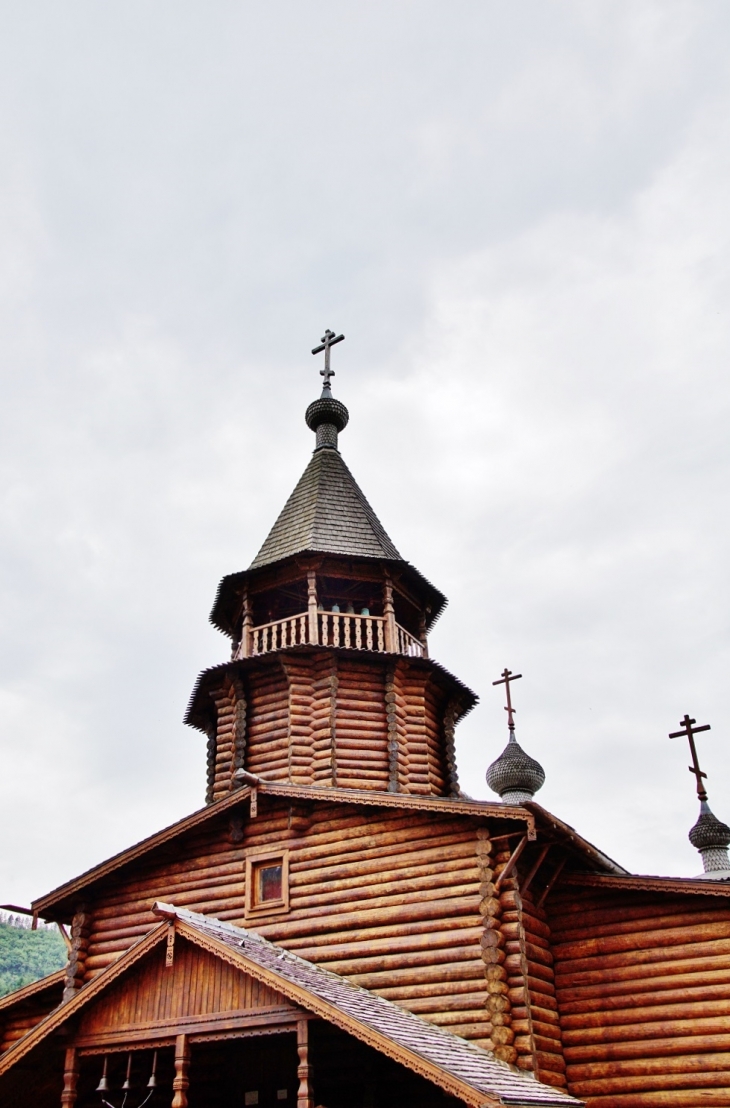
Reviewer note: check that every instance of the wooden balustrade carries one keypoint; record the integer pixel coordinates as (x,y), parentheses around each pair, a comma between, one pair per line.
(345,629)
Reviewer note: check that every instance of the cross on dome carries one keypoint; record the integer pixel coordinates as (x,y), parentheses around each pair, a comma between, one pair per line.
(328,340)
(690,731)
(505,679)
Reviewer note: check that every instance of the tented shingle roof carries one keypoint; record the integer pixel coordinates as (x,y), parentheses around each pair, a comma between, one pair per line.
(327,512)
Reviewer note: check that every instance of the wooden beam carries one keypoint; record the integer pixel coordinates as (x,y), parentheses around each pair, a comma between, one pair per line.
(304,1070)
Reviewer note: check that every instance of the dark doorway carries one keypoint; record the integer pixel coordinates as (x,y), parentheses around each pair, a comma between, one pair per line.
(257,1071)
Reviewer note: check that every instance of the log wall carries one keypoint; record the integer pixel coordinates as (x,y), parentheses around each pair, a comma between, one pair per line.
(340,718)
(643,988)
(18,1018)
(386,898)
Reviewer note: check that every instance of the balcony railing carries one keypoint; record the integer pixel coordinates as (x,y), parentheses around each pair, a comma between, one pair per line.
(345,629)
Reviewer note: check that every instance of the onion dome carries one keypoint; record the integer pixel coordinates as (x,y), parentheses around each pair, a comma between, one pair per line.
(326,417)
(515,776)
(711,837)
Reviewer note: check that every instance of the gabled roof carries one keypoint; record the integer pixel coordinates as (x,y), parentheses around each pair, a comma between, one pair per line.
(327,512)
(438,805)
(461,1068)
(53,982)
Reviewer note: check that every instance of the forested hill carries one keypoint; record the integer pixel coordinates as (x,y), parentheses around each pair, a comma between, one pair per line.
(26,955)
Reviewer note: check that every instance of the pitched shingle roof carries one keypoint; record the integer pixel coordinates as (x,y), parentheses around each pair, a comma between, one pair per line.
(327,512)
(454,1056)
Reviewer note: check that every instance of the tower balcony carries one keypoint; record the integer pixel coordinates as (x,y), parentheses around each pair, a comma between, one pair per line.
(349,630)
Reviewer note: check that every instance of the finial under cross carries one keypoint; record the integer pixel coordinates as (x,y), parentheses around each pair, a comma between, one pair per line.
(507,676)
(328,340)
(690,731)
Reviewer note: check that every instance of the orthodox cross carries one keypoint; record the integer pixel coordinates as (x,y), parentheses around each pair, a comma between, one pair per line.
(507,676)
(690,731)
(328,340)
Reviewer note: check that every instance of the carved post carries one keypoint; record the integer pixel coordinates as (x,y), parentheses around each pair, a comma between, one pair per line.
(391,638)
(70,1078)
(304,1070)
(422,634)
(181,1081)
(312,607)
(245,648)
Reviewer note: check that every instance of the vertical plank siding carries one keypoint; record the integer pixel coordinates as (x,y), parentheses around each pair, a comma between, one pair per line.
(391,901)
(197,984)
(643,989)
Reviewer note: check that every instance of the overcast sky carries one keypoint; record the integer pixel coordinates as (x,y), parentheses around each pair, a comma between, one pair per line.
(518,215)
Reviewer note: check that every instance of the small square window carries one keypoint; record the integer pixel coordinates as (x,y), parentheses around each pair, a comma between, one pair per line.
(251,1097)
(282,1094)
(267,882)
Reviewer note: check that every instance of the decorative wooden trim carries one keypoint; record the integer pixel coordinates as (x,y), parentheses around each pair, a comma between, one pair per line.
(256,857)
(239,727)
(391,715)
(222,1023)
(693,886)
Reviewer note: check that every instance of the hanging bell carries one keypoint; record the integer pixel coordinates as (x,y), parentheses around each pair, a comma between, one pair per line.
(152,1083)
(103,1086)
(127,1080)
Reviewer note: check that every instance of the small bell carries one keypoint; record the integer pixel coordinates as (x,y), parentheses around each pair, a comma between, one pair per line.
(152,1083)
(103,1086)
(127,1082)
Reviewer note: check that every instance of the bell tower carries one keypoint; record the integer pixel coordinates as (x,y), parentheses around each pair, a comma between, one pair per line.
(329,683)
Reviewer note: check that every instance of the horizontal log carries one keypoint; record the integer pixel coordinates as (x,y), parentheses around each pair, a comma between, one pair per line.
(654,1084)
(398,960)
(641,941)
(368,921)
(610,919)
(645,1048)
(406,936)
(684,1098)
(537,1027)
(545,1015)
(433,975)
(655,1067)
(639,973)
(513,964)
(699,993)
(698,1010)
(630,1031)
(449,990)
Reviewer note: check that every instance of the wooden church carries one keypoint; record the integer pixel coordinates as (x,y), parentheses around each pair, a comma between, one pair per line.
(340,925)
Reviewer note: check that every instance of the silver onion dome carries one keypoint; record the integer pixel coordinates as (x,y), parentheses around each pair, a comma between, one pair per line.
(515,776)
(711,837)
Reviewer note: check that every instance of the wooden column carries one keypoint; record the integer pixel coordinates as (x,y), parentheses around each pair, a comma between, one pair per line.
(70,1078)
(312,607)
(305,1098)
(245,648)
(181,1081)
(423,637)
(391,638)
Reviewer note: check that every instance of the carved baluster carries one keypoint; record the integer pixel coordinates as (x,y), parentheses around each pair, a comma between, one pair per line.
(70,1078)
(381,637)
(245,648)
(391,637)
(303,628)
(312,606)
(369,633)
(181,1081)
(335,629)
(358,632)
(305,1098)
(347,632)
(325,625)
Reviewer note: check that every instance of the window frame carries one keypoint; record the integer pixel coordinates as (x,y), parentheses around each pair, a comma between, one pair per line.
(256,859)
